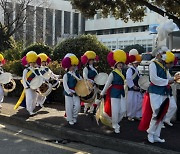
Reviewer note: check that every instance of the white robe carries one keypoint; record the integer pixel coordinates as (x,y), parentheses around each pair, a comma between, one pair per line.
(1,89)
(118,105)
(134,98)
(31,95)
(72,104)
(156,100)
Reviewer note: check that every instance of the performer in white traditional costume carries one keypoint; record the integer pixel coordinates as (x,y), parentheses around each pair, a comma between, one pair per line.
(28,74)
(134,96)
(89,73)
(159,96)
(172,104)
(43,70)
(72,101)
(2,62)
(115,103)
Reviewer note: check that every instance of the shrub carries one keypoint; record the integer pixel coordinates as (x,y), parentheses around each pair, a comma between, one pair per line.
(14,67)
(138,47)
(79,46)
(14,53)
(38,48)
(56,68)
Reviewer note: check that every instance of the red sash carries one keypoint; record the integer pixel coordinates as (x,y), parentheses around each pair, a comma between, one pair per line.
(107,103)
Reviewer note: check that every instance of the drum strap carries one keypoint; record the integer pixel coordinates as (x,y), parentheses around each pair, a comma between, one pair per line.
(74,76)
(161,65)
(119,73)
(37,74)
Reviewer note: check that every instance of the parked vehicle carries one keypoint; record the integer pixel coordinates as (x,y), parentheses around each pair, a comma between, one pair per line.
(144,65)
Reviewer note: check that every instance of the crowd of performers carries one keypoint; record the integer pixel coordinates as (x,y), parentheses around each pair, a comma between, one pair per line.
(119,96)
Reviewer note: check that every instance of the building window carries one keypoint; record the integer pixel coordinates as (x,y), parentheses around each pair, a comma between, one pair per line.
(135,29)
(49,26)
(75,23)
(127,30)
(112,31)
(99,32)
(29,24)
(144,28)
(19,33)
(39,24)
(106,32)
(67,16)
(58,24)
(8,14)
(120,30)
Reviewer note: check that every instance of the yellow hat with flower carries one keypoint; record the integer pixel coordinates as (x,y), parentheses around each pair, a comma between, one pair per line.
(1,57)
(116,56)
(31,57)
(170,57)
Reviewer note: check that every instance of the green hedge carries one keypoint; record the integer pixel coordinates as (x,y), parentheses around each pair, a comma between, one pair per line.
(79,46)
(138,47)
(14,67)
(38,48)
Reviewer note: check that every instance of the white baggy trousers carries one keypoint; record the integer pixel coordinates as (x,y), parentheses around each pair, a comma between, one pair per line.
(40,100)
(1,94)
(118,109)
(171,110)
(156,101)
(31,99)
(134,104)
(72,107)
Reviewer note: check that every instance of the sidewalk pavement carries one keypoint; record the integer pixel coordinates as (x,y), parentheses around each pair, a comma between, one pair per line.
(51,120)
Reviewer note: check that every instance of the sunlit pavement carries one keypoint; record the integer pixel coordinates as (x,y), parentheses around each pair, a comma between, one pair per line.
(53,114)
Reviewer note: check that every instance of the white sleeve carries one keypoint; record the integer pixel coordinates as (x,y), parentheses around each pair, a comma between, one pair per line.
(54,75)
(85,73)
(24,80)
(108,83)
(129,79)
(169,76)
(154,78)
(66,88)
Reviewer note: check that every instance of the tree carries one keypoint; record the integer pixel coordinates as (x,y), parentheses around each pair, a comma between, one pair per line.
(79,46)
(138,47)
(15,14)
(129,9)
(5,43)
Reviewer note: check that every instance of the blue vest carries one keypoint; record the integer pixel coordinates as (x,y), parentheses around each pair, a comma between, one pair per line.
(135,80)
(44,70)
(91,73)
(160,90)
(71,82)
(117,80)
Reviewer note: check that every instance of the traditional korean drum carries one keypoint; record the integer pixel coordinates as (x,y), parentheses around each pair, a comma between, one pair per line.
(86,91)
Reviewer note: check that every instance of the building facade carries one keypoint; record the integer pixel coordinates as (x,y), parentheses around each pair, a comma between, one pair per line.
(49,22)
(118,34)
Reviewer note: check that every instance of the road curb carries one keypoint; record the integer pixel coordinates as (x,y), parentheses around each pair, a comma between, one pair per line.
(84,137)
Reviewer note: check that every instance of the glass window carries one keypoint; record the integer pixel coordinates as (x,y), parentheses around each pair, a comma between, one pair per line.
(144,28)
(67,17)
(99,32)
(58,17)
(49,26)
(135,29)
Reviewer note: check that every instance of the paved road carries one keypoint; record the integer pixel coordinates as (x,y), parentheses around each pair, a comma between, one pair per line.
(53,114)
(14,140)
